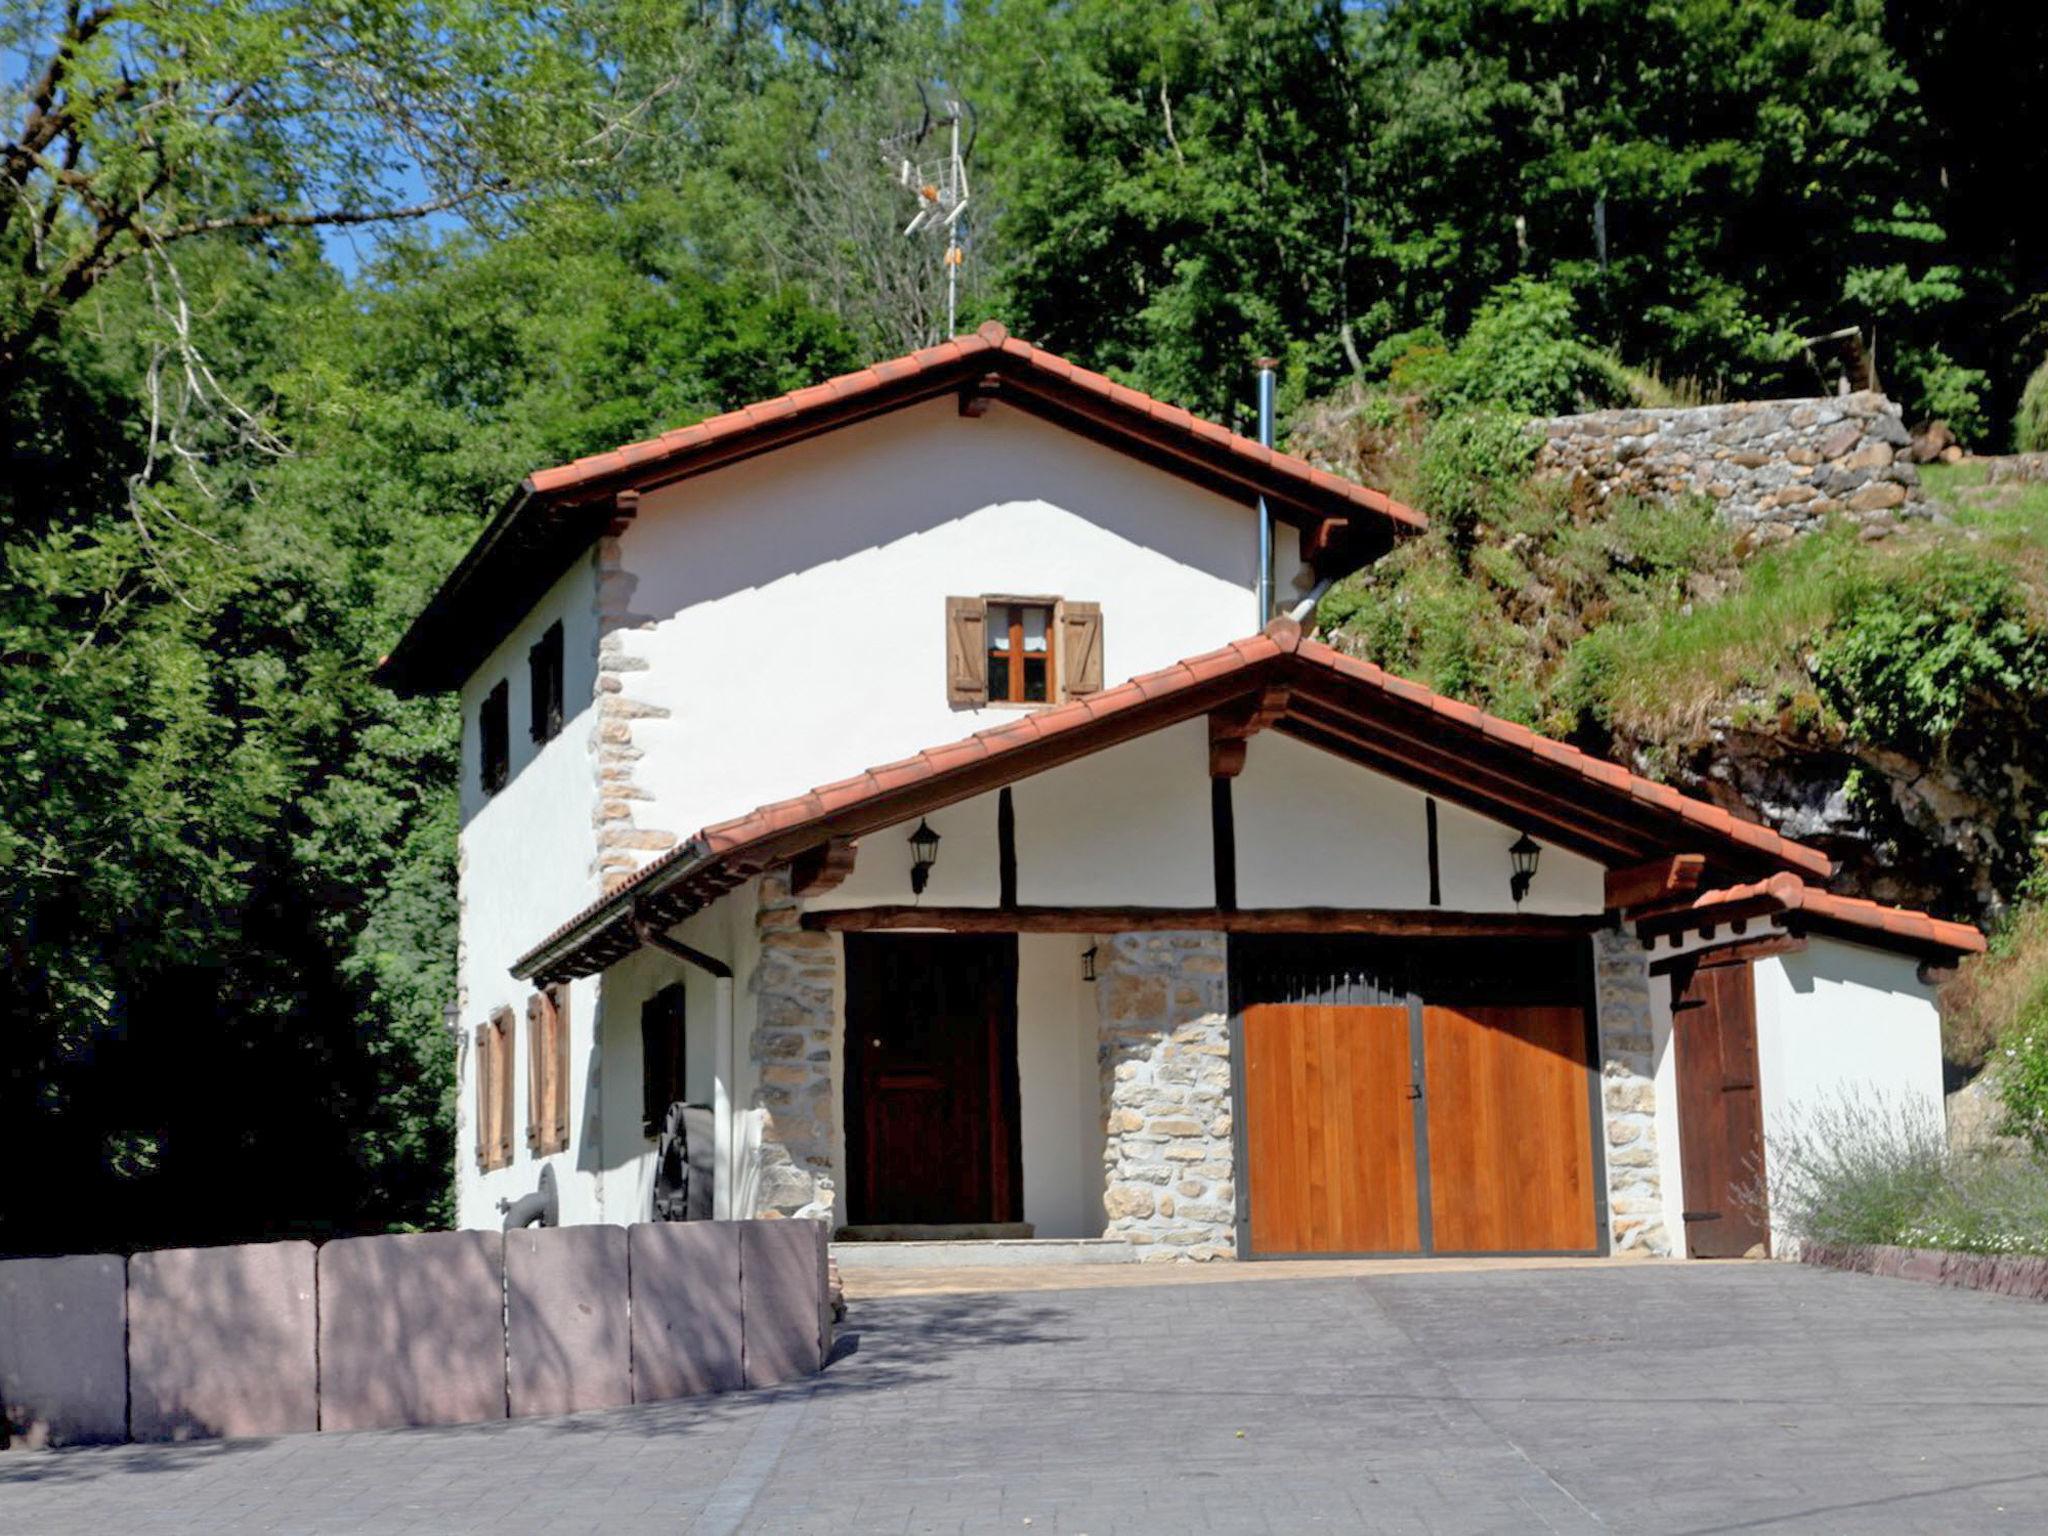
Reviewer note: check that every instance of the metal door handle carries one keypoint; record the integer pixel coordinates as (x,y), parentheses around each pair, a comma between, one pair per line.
(1415,1090)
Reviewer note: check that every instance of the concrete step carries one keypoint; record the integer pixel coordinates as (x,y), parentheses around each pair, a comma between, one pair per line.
(993,1252)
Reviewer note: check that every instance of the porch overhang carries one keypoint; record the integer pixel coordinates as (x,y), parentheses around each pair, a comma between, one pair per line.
(1275,680)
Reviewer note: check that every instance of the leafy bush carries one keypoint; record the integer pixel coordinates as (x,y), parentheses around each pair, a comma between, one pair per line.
(1473,469)
(1872,1171)
(1911,648)
(1523,354)
(2023,1076)
(2030,427)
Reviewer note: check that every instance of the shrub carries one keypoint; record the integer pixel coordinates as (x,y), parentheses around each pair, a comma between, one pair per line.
(1523,354)
(1473,468)
(2030,427)
(2023,1077)
(1866,1170)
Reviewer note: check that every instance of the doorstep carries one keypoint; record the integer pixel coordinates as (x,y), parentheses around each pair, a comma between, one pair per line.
(1008,1253)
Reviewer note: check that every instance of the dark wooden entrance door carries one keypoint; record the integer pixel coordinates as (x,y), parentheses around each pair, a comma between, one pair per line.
(1412,1097)
(1720,1112)
(932,1134)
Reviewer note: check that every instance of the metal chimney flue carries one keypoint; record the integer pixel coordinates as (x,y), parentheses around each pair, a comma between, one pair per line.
(1268,369)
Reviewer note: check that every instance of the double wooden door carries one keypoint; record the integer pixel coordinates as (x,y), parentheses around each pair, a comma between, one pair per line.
(932,1133)
(1403,1100)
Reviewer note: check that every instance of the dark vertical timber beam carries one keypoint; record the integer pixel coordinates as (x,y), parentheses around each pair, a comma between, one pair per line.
(1006,850)
(1436,879)
(1223,836)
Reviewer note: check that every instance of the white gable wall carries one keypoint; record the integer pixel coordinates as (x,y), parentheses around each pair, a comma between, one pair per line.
(1130,826)
(526,863)
(795,603)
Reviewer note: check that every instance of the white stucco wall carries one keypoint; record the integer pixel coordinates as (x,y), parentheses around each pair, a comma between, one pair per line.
(1058,1087)
(795,603)
(1130,826)
(1834,1021)
(526,855)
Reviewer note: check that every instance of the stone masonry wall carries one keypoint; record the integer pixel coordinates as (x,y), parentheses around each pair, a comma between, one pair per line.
(622,843)
(791,1049)
(1628,1093)
(1776,468)
(1164,1055)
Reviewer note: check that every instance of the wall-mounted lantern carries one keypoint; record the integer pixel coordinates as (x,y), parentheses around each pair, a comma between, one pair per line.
(924,853)
(1523,853)
(1088,963)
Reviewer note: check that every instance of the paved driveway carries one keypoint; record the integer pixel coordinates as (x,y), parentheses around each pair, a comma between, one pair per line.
(1656,1398)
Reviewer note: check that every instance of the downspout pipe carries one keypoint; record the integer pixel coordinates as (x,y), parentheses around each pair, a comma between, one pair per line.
(724,1141)
(1267,367)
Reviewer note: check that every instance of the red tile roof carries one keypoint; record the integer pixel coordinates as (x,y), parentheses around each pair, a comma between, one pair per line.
(727,852)
(992,344)
(1850,915)
(557,512)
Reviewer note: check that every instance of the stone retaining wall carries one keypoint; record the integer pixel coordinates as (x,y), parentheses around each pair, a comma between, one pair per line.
(1774,467)
(791,1050)
(424,1328)
(2008,1274)
(1164,1054)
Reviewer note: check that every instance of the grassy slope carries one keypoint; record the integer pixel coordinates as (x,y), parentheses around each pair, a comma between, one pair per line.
(1640,629)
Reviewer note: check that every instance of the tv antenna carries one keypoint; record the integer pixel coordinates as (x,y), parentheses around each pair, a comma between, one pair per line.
(930,161)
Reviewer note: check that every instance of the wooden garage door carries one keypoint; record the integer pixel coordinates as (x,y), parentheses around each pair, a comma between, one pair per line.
(1330,1129)
(1416,1098)
(1510,1132)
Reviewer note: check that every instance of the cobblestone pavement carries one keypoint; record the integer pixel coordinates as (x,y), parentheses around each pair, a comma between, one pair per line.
(1656,1397)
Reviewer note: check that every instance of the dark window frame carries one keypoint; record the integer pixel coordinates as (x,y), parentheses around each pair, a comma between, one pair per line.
(494,739)
(544,682)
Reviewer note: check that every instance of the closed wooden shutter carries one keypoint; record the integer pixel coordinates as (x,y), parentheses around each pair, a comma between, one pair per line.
(536,1070)
(1081,647)
(966,651)
(501,1082)
(558,1067)
(485,1097)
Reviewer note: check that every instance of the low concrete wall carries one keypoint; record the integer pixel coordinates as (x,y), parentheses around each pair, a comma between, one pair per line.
(221,1342)
(63,1352)
(425,1328)
(2022,1275)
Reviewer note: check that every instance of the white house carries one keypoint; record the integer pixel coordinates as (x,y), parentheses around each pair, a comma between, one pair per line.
(915,771)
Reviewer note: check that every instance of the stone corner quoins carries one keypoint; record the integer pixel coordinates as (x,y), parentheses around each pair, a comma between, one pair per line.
(1774,468)
(622,844)
(791,1053)
(1164,1056)
(1628,1096)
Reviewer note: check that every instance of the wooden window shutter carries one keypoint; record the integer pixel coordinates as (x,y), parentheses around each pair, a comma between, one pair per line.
(966,652)
(485,1098)
(501,1082)
(536,1071)
(558,1065)
(1081,644)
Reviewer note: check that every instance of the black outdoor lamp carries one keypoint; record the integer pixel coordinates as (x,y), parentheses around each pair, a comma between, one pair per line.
(1088,963)
(924,853)
(1523,853)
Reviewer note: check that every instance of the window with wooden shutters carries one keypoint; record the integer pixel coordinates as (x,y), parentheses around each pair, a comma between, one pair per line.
(547,1071)
(494,1091)
(544,679)
(494,738)
(663,1057)
(1021,650)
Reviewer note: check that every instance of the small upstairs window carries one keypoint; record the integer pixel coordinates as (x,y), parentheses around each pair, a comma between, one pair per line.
(494,738)
(1021,650)
(544,676)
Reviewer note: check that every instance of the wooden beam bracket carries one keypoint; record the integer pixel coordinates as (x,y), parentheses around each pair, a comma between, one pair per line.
(1232,727)
(978,396)
(1656,882)
(822,868)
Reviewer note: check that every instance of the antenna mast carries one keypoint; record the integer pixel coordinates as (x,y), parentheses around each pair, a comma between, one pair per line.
(938,180)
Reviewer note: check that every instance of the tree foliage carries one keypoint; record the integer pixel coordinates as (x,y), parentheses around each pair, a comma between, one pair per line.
(240,452)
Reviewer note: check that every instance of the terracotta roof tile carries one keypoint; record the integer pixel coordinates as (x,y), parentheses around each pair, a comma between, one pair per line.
(1788,893)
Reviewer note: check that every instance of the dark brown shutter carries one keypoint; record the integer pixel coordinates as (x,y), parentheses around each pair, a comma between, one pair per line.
(1081,647)
(536,1070)
(966,651)
(558,1065)
(484,1097)
(501,1047)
